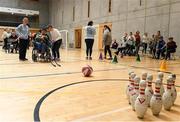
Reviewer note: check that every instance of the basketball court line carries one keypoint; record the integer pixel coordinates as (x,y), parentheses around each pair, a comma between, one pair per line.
(54,74)
(101,114)
(34,63)
(132,66)
(38,105)
(8,60)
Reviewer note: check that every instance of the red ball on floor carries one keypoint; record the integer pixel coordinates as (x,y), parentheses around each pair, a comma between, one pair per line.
(87,71)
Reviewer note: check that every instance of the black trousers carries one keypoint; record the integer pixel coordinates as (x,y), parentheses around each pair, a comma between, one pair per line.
(5,43)
(154,53)
(137,47)
(55,48)
(168,53)
(107,49)
(89,46)
(120,49)
(23,44)
(144,48)
(15,44)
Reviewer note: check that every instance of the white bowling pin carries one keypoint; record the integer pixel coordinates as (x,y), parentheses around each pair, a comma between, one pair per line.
(167,96)
(127,88)
(173,88)
(149,90)
(131,86)
(161,76)
(156,100)
(144,76)
(140,103)
(135,92)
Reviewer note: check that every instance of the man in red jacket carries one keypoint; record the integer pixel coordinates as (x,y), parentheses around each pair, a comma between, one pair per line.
(137,41)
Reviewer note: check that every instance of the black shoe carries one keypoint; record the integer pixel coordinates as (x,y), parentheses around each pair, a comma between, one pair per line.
(25,59)
(21,60)
(116,53)
(90,58)
(109,58)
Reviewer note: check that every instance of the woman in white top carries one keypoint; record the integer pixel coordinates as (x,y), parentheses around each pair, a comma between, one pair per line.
(130,44)
(145,41)
(56,42)
(90,32)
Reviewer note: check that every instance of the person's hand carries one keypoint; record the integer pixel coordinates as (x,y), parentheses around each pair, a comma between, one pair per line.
(16,40)
(42,38)
(19,38)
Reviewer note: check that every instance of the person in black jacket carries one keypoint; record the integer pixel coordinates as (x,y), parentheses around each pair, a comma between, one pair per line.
(170,48)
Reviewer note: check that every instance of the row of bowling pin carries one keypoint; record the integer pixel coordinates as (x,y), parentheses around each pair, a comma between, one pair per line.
(141,95)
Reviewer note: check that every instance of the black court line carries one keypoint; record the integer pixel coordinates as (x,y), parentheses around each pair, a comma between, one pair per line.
(24,63)
(54,74)
(146,68)
(150,69)
(38,105)
(57,74)
(33,63)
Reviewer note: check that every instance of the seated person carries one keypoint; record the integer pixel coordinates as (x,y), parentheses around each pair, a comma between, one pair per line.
(5,35)
(170,48)
(152,46)
(122,46)
(14,42)
(130,46)
(42,42)
(161,44)
(114,45)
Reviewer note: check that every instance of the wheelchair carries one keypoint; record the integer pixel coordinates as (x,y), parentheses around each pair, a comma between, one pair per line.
(38,55)
(12,44)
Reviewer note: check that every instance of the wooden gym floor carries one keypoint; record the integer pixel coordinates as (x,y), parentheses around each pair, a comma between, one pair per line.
(38,91)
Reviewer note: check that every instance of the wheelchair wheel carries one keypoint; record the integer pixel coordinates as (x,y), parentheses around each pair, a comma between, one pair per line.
(34,55)
(48,56)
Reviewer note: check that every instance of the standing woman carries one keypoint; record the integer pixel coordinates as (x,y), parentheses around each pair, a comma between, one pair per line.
(56,39)
(107,40)
(23,35)
(90,32)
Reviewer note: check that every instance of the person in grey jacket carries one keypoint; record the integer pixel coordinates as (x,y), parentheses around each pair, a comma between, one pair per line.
(107,40)
(90,32)
(23,35)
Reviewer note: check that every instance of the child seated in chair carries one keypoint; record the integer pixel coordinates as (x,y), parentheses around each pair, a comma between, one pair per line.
(42,42)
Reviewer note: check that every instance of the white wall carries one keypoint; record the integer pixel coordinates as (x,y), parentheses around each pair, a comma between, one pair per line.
(126,16)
